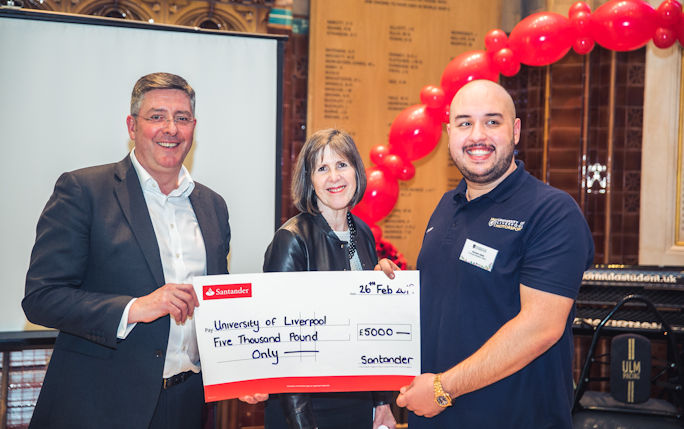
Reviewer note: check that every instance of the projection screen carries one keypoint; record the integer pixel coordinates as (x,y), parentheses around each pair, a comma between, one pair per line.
(65,85)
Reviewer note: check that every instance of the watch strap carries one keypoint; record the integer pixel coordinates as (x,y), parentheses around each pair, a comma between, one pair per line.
(442,398)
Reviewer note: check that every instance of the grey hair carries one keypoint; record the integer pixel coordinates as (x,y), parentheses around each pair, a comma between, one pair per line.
(159,81)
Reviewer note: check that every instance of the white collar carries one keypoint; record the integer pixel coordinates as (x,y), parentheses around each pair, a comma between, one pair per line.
(185,183)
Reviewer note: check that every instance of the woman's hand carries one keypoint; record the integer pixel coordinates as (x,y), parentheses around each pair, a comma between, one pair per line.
(384,417)
(388,267)
(255,398)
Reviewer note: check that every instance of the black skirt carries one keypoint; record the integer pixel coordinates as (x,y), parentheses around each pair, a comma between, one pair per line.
(344,410)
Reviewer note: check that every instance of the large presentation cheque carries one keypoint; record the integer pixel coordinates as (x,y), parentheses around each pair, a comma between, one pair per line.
(318,331)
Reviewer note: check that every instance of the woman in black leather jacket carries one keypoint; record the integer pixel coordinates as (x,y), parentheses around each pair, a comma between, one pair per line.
(328,180)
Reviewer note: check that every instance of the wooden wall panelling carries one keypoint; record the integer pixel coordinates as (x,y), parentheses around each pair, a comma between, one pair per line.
(581,132)
(528,89)
(565,124)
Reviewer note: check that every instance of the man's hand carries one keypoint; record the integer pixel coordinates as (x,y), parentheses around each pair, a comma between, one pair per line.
(388,267)
(177,300)
(419,396)
(255,398)
(384,417)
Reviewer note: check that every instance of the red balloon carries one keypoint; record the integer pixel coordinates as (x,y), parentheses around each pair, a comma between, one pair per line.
(669,12)
(378,153)
(464,68)
(399,168)
(445,114)
(377,232)
(681,29)
(381,195)
(506,62)
(579,6)
(407,171)
(664,38)
(393,164)
(581,21)
(440,115)
(541,38)
(583,45)
(432,96)
(623,25)
(495,40)
(414,133)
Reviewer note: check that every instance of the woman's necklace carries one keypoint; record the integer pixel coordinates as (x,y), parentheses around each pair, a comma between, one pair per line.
(352,235)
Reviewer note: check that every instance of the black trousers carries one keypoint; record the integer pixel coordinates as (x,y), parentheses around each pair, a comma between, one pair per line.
(180,406)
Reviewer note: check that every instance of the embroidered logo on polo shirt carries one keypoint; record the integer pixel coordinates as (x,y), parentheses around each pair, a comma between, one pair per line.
(513,225)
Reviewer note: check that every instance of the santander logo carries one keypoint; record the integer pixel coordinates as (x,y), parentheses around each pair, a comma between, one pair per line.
(237,290)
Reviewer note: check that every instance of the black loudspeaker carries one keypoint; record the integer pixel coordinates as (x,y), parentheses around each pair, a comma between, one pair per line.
(630,368)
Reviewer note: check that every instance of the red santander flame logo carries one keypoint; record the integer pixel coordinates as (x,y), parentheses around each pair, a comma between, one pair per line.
(237,290)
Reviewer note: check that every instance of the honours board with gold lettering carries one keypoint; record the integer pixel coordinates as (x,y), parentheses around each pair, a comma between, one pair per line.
(368,61)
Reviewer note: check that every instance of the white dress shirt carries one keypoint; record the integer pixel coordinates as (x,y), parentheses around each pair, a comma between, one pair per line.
(183,256)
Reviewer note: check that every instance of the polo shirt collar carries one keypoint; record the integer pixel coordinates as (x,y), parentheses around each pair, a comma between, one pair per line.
(503,190)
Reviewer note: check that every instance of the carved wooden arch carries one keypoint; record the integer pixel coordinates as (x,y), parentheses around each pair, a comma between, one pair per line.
(134,10)
(228,20)
(48,5)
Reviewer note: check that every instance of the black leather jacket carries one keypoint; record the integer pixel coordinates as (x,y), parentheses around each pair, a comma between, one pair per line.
(307,243)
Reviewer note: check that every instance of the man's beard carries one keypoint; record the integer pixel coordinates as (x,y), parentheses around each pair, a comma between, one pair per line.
(493,174)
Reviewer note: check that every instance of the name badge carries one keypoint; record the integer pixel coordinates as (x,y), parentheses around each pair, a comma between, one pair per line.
(478,254)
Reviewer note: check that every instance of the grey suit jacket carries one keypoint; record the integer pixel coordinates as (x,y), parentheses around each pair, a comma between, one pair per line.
(95,249)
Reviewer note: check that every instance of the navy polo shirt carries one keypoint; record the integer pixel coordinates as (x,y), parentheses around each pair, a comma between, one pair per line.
(526,232)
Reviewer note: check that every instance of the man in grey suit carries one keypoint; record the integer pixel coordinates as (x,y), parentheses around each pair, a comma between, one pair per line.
(116,248)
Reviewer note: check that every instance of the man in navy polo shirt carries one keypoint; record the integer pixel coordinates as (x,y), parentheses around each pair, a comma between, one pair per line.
(501,263)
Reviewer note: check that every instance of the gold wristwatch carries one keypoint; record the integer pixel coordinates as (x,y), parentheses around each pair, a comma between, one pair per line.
(442,398)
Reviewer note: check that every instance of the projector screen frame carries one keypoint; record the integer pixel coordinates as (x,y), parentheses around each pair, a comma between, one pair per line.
(14,13)
(37,15)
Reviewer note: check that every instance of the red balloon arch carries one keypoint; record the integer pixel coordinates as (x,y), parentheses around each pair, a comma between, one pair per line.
(540,39)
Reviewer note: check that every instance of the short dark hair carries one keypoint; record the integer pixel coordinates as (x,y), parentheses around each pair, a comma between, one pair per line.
(159,81)
(303,193)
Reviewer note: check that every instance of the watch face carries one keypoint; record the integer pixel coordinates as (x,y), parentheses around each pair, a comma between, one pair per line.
(441,400)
